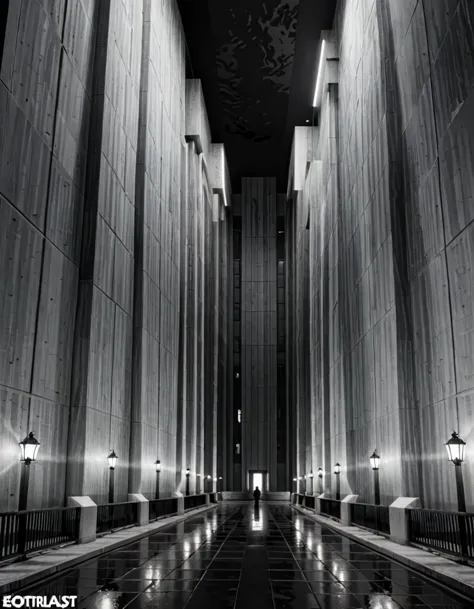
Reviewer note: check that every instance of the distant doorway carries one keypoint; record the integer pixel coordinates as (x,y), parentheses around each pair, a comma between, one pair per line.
(257,481)
(258,478)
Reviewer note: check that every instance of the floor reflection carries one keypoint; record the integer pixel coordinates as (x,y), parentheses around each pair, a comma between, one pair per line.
(241,557)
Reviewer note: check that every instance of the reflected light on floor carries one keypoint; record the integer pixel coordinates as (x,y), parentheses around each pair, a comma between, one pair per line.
(257,523)
(107,602)
(382,601)
(197,538)
(152,572)
(187,546)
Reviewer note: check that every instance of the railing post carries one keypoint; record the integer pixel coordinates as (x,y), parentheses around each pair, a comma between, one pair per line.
(398,514)
(87,519)
(143,515)
(463,538)
(346,508)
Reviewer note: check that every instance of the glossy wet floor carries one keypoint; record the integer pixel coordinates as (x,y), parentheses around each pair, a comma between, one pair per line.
(236,558)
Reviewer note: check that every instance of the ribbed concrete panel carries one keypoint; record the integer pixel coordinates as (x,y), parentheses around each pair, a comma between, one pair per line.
(390,251)
(104,364)
(259,329)
(45,94)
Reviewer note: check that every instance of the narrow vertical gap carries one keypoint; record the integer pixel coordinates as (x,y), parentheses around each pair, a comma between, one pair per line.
(3,26)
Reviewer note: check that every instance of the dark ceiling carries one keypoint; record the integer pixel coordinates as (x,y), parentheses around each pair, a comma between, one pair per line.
(257,64)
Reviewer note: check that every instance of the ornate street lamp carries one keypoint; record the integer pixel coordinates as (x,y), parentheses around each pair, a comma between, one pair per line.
(375,463)
(337,471)
(29,450)
(320,476)
(188,473)
(209,483)
(112,459)
(158,472)
(456,448)
(311,476)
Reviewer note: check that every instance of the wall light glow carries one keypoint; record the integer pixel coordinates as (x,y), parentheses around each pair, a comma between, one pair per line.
(319,79)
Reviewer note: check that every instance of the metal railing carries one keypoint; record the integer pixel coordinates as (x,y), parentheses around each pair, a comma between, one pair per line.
(447,532)
(331,507)
(300,499)
(213,497)
(158,508)
(310,502)
(374,517)
(194,501)
(25,532)
(111,516)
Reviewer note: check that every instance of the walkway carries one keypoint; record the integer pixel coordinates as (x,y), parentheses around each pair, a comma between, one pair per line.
(234,558)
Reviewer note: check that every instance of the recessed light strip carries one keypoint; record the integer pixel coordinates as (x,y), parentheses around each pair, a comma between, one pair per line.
(320,75)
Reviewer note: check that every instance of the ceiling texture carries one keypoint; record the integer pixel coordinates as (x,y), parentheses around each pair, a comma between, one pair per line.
(257,64)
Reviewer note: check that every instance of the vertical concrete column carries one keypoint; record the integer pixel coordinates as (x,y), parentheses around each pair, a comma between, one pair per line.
(143,508)
(346,508)
(399,518)
(88,518)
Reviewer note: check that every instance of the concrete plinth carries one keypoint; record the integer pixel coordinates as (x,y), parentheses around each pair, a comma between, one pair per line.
(399,518)
(180,497)
(346,508)
(88,518)
(143,508)
(317,503)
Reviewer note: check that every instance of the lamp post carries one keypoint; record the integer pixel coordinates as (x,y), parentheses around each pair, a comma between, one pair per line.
(299,485)
(295,484)
(112,459)
(375,463)
(198,484)
(311,476)
(188,473)
(221,484)
(320,477)
(158,471)
(337,472)
(209,484)
(29,449)
(456,448)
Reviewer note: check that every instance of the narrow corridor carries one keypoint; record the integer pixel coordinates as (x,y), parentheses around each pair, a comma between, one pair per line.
(235,558)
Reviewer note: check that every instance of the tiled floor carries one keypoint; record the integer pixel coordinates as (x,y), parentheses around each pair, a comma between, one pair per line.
(236,558)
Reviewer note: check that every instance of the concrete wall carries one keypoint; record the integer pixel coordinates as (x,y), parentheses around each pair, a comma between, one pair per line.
(259,328)
(94,189)
(391,240)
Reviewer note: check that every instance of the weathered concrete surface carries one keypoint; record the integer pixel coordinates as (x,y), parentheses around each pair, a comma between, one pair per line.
(391,248)
(94,195)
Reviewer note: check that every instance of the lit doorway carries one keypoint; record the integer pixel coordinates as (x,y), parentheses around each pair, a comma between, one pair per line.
(257,480)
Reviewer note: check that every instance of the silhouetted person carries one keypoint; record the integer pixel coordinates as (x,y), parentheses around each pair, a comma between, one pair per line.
(256,495)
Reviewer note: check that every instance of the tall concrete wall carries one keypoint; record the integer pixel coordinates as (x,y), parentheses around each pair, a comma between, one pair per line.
(94,193)
(391,239)
(259,328)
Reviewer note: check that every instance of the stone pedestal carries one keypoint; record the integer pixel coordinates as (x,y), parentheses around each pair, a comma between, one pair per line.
(180,497)
(317,503)
(399,518)
(143,508)
(88,518)
(346,508)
